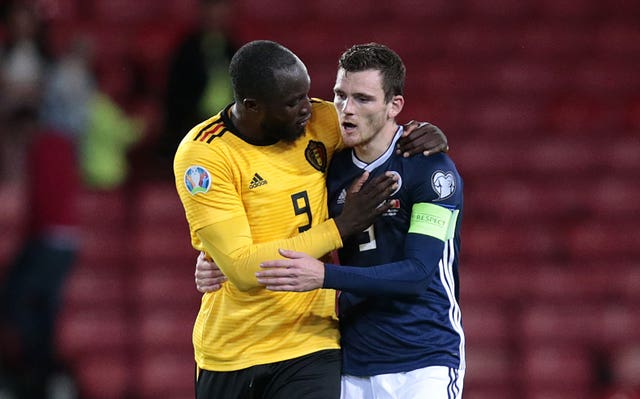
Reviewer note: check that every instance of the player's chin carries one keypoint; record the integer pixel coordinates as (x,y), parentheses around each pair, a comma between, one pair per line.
(293,134)
(350,140)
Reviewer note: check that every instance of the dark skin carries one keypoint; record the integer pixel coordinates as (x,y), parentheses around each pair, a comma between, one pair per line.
(283,116)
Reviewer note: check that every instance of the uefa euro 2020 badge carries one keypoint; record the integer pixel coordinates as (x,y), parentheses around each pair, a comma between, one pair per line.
(197,179)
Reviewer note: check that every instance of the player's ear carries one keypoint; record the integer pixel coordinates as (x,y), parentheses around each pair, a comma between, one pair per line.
(397,103)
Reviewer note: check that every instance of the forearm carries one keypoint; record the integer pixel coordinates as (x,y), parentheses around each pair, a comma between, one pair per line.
(239,258)
(409,276)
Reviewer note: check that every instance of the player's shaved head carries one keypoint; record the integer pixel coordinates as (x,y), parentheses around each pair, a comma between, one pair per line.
(254,68)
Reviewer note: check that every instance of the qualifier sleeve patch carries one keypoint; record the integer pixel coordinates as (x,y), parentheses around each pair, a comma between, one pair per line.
(433,220)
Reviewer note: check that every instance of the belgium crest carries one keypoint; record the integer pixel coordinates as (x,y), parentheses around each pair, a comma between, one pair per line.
(316,155)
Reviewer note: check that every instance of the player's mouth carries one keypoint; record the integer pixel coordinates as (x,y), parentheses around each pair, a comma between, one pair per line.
(348,127)
(303,122)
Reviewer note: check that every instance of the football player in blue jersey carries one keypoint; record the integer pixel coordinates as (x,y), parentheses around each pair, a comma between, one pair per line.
(400,320)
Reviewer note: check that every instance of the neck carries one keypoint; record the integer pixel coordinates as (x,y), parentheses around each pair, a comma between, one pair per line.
(244,125)
(379,143)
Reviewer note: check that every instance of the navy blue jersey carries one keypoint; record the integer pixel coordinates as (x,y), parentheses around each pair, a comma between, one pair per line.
(398,304)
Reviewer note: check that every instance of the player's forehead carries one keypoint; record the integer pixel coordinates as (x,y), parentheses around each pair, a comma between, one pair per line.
(292,82)
(368,82)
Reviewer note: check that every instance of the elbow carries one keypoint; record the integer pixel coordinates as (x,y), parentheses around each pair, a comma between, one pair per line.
(242,284)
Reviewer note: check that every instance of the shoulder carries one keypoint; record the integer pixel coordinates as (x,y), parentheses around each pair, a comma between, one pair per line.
(431,163)
(324,124)
(206,134)
(323,112)
(436,177)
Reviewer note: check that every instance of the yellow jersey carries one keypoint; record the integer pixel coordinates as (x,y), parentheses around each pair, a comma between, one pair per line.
(244,200)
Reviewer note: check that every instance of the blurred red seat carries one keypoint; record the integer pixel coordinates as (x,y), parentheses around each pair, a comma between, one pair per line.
(103,208)
(556,367)
(155,281)
(478,39)
(353,11)
(579,322)
(487,323)
(489,368)
(584,283)
(562,158)
(59,10)
(169,245)
(478,158)
(493,391)
(604,240)
(91,288)
(104,375)
(543,392)
(485,280)
(618,39)
(164,374)
(13,218)
(103,248)
(499,242)
(92,331)
(554,43)
(583,116)
(607,76)
(498,10)
(525,77)
(622,156)
(616,198)
(182,10)
(126,11)
(273,12)
(575,10)
(167,328)
(158,204)
(505,117)
(516,200)
(433,11)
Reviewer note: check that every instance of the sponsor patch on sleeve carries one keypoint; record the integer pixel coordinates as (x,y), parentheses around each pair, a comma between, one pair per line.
(433,220)
(197,179)
(444,184)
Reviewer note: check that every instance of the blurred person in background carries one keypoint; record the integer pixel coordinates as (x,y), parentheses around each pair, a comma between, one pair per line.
(198,83)
(622,367)
(31,294)
(24,60)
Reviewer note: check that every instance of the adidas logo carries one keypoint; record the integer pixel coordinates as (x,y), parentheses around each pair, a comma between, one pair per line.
(342,197)
(257,181)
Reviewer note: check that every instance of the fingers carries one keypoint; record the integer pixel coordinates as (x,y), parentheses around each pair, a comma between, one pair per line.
(208,277)
(422,138)
(381,187)
(359,182)
(287,253)
(209,284)
(410,126)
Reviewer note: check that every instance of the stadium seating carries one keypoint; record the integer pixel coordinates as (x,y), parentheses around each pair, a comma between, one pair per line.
(540,103)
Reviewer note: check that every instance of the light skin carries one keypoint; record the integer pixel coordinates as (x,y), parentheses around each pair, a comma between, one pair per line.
(368,125)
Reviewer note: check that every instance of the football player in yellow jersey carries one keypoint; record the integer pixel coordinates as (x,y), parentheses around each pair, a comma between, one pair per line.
(252,180)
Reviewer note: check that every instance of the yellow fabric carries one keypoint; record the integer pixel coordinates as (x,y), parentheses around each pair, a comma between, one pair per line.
(240,219)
